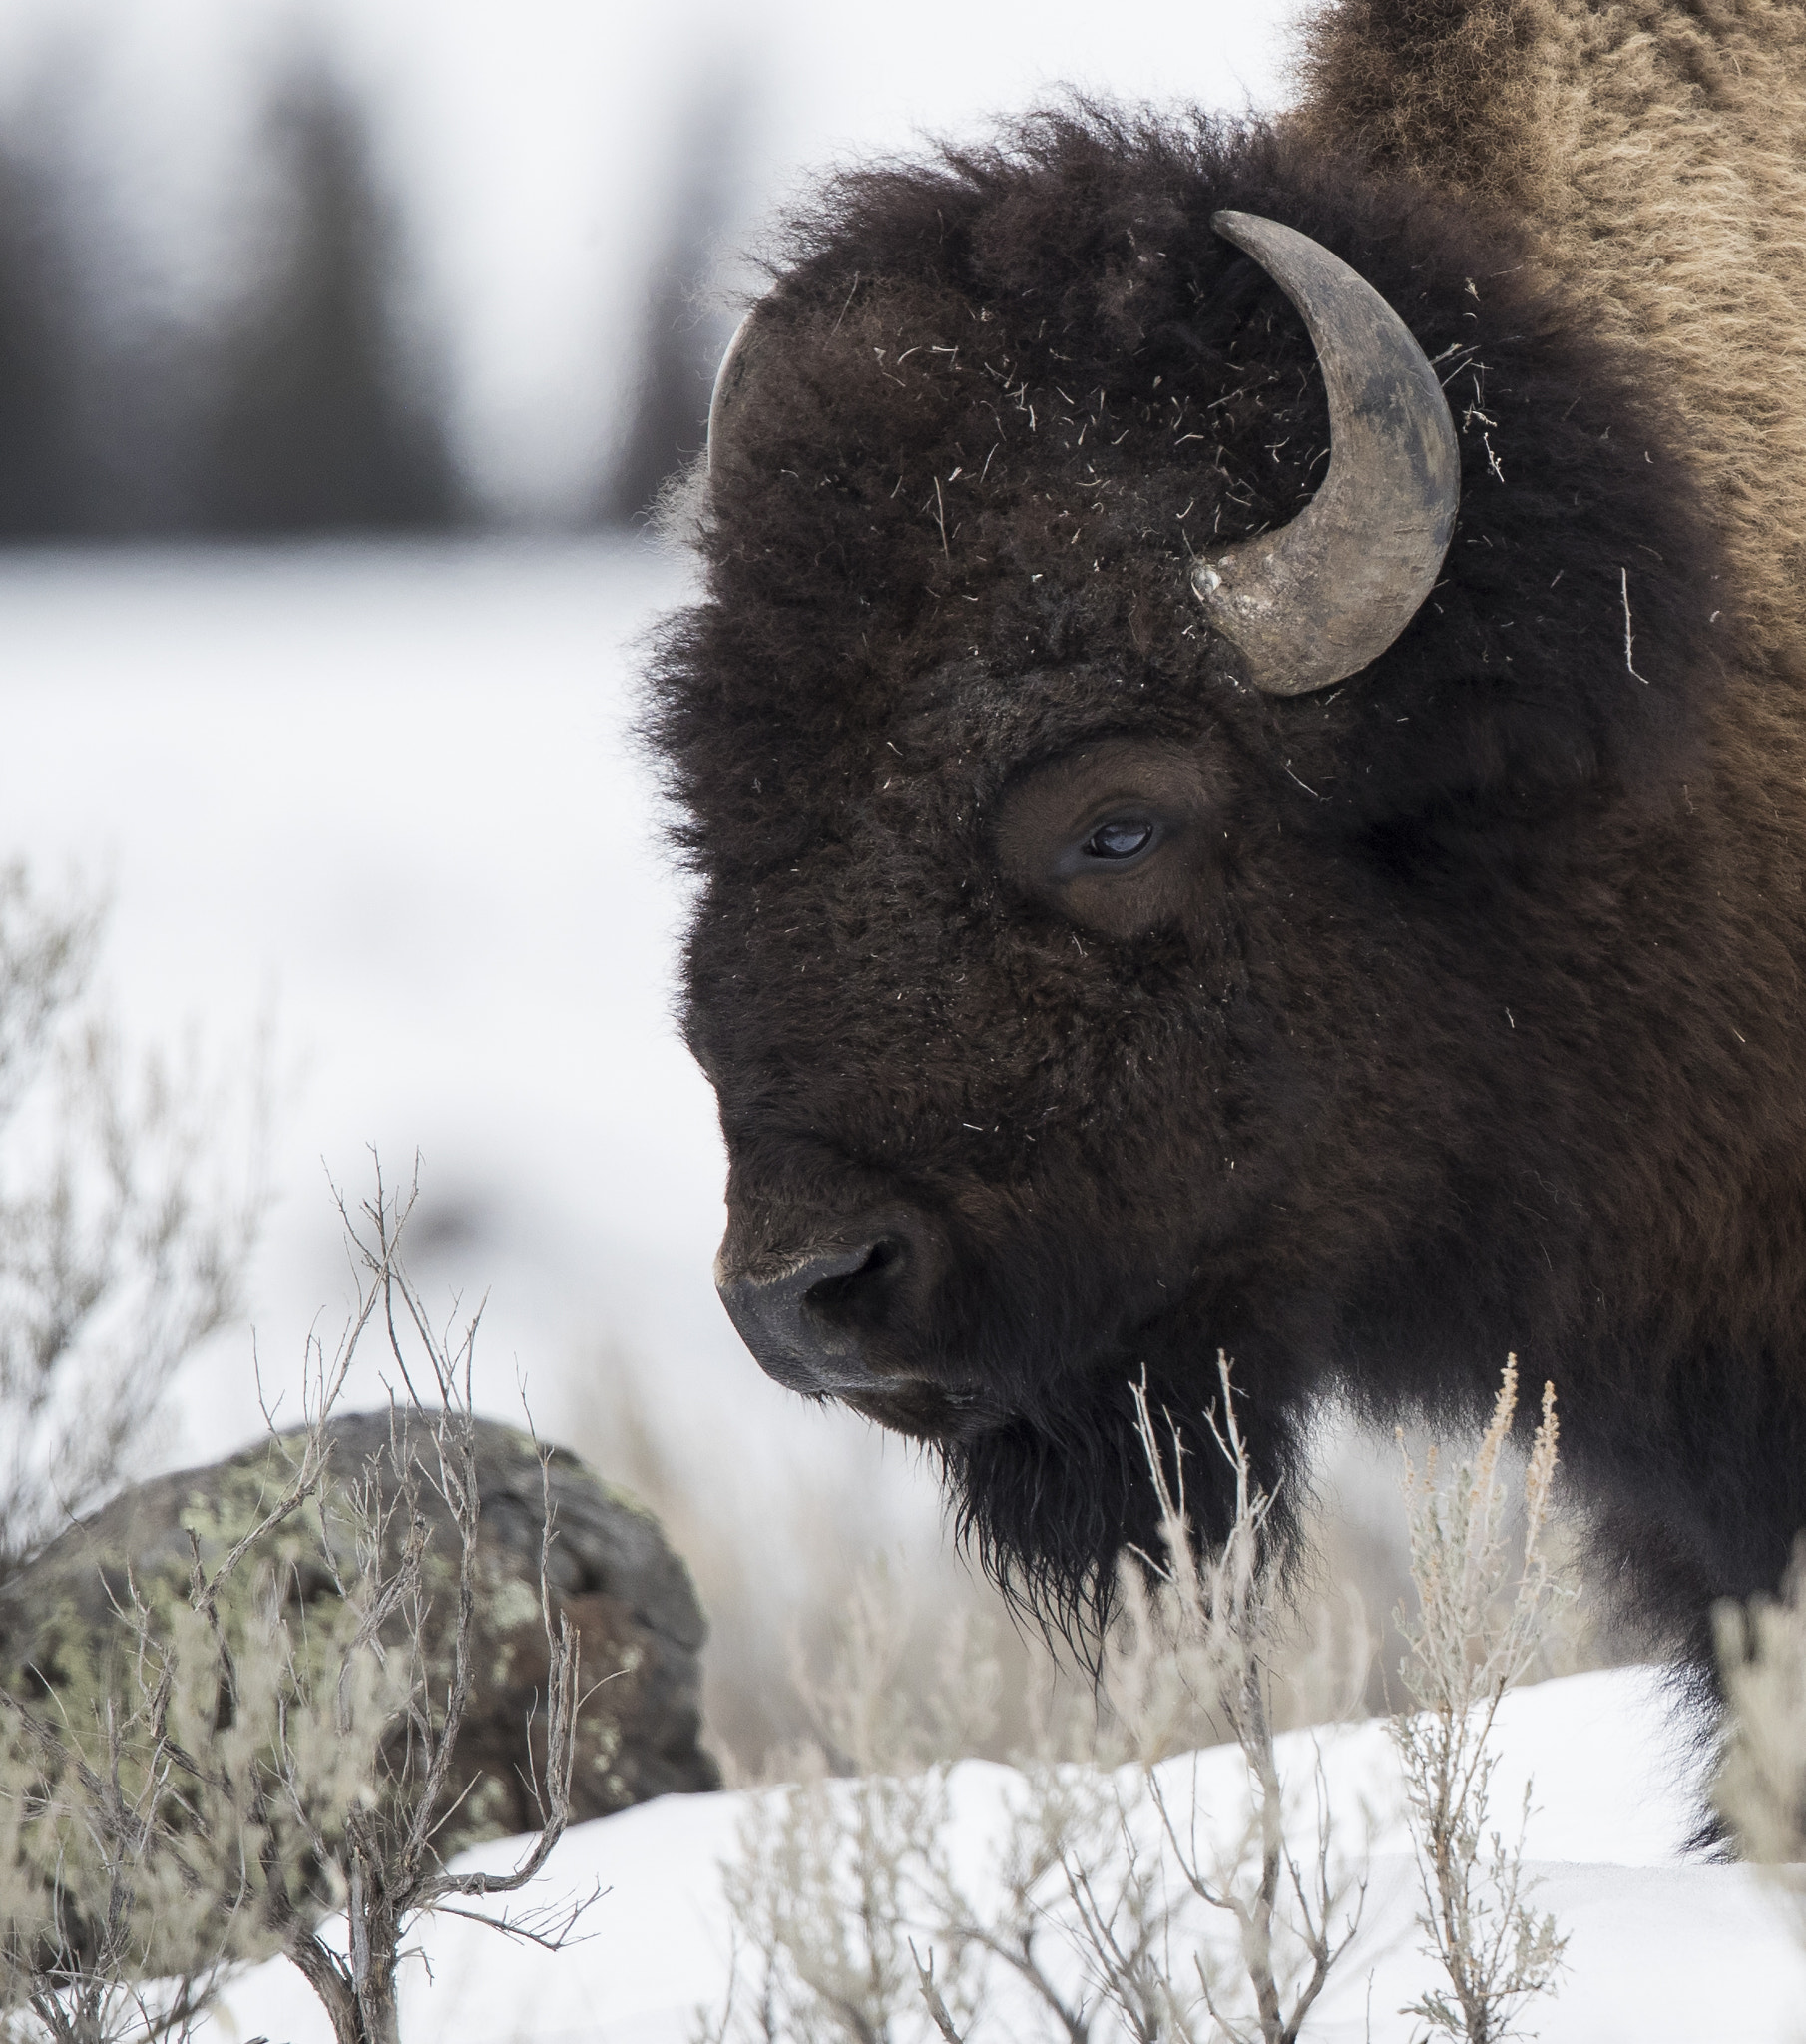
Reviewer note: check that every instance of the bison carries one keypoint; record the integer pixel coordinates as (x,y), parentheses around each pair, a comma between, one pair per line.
(1244,751)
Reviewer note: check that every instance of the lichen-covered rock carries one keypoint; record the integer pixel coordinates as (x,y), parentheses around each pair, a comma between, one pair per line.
(611,1571)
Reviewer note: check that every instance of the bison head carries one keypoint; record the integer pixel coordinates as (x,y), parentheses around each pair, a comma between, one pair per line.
(1094,973)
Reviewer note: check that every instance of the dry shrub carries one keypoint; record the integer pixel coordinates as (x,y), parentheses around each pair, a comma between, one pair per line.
(1483,1603)
(169,1833)
(136,1848)
(1355,1540)
(1106,1902)
(122,1240)
(1112,1886)
(250,1773)
(777,1557)
(121,1248)
(1760,1790)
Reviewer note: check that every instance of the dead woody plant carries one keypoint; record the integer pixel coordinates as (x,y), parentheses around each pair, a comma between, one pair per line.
(1120,1899)
(106,1936)
(1291,1893)
(1760,1791)
(137,1820)
(1120,1896)
(1485,1604)
(271,1756)
(384,1863)
(122,1242)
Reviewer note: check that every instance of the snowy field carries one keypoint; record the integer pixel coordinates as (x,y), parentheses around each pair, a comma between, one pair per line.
(386,797)
(1663,1950)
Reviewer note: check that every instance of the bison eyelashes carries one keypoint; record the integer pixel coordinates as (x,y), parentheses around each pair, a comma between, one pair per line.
(1116,837)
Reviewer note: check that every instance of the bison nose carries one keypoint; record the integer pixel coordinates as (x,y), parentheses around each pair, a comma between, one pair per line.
(808,1318)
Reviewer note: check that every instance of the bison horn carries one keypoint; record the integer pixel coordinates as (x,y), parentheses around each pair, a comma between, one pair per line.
(728,379)
(1318,599)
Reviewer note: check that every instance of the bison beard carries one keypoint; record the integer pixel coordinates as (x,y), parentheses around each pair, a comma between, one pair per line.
(1077,1009)
(1049,1503)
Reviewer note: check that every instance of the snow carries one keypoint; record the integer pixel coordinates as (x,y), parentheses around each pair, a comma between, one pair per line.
(1662,1949)
(387,797)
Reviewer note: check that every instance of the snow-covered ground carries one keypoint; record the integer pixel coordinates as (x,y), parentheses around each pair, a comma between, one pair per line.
(387,796)
(1662,1949)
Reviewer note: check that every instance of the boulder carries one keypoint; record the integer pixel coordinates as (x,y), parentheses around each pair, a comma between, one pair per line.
(611,1571)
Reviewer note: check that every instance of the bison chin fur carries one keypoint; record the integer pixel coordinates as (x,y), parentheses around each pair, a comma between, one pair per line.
(1052,1502)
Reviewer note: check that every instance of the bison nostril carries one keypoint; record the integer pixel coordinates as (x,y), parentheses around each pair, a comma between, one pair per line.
(857,1297)
(821,1319)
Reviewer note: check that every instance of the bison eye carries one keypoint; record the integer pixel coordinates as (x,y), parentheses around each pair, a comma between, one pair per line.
(1121,837)
(1118,835)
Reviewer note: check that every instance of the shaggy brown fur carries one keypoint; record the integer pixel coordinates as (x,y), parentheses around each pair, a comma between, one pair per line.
(1656,151)
(1478,1031)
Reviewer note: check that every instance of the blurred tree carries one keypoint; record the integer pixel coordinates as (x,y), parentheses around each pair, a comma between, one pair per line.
(98,368)
(323,417)
(683,333)
(45,457)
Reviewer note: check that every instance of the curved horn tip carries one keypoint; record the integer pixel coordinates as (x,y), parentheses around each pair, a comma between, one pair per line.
(736,359)
(1317,601)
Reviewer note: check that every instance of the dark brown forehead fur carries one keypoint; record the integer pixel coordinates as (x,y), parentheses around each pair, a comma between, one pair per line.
(1005,394)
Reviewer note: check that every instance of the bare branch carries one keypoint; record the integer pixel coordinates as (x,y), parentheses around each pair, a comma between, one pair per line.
(1481,1611)
(931,1996)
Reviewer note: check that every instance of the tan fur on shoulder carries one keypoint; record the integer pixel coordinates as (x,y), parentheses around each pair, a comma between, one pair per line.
(1658,146)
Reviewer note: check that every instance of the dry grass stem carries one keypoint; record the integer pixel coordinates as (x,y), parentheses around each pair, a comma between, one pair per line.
(386,1865)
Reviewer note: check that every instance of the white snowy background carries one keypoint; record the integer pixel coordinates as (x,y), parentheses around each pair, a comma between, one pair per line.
(384,796)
